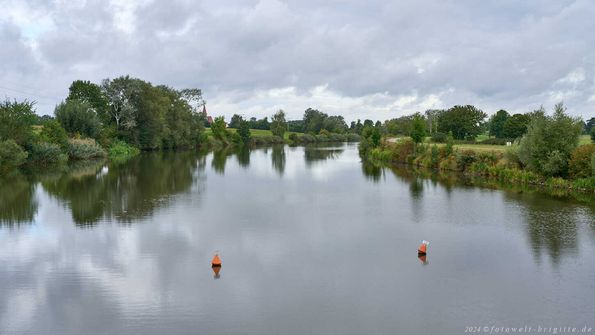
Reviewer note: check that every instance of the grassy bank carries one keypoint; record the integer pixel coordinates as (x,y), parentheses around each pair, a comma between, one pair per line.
(476,161)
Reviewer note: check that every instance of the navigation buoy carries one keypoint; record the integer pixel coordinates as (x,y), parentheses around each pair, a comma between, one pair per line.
(423,259)
(423,247)
(216,262)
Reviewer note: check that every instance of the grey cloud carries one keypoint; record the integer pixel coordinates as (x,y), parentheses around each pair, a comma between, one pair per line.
(495,54)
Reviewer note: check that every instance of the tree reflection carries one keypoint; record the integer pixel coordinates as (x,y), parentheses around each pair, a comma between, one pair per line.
(220,159)
(314,153)
(17,200)
(279,158)
(243,156)
(551,225)
(127,191)
(372,172)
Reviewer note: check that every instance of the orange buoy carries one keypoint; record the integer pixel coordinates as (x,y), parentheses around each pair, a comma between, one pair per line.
(423,247)
(216,262)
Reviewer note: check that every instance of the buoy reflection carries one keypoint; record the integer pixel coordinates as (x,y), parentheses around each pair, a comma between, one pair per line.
(216,269)
(423,259)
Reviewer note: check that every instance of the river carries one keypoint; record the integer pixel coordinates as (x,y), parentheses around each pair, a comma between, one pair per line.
(311,240)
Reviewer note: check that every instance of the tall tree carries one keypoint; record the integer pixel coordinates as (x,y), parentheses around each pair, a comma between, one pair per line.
(313,120)
(244,132)
(418,129)
(516,126)
(497,122)
(218,128)
(90,93)
(465,122)
(120,93)
(235,121)
(279,124)
(77,117)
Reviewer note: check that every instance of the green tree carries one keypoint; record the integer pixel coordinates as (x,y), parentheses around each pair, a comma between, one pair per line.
(12,155)
(218,128)
(465,122)
(16,120)
(53,132)
(335,124)
(516,126)
(592,134)
(120,93)
(235,121)
(313,120)
(78,117)
(244,132)
(549,142)
(279,124)
(90,93)
(497,122)
(418,129)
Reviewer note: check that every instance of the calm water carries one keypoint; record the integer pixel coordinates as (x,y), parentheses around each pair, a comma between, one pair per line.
(312,242)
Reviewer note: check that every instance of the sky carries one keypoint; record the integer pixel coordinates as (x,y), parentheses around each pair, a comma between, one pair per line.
(360,59)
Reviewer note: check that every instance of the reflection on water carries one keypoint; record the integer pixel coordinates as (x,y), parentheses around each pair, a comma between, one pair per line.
(314,242)
(126,192)
(278,158)
(17,202)
(316,153)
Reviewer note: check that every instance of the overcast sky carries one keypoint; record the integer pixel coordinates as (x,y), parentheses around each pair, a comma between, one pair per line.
(362,59)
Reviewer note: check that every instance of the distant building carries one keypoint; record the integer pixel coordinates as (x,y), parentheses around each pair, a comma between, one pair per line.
(208,117)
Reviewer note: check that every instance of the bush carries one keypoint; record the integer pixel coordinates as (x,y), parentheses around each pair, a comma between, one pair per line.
(45,154)
(402,150)
(496,141)
(85,149)
(581,162)
(439,137)
(512,156)
(465,158)
(16,120)
(53,132)
(78,118)
(120,151)
(12,155)
(353,137)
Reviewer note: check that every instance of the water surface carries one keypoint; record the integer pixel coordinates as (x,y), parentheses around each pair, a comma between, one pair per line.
(312,241)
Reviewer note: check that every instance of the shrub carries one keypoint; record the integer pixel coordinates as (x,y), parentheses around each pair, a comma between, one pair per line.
(465,158)
(16,119)
(450,164)
(435,156)
(585,183)
(78,117)
(53,132)
(352,137)
(120,150)
(512,156)
(85,149)
(496,141)
(12,155)
(439,137)
(581,161)
(45,154)
(402,150)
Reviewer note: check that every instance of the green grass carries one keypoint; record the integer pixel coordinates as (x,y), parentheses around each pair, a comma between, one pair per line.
(584,139)
(253,132)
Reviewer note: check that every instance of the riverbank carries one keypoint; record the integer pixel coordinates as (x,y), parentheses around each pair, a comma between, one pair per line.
(489,166)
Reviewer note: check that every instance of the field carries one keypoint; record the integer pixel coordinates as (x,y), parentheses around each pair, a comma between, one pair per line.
(253,132)
(584,139)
